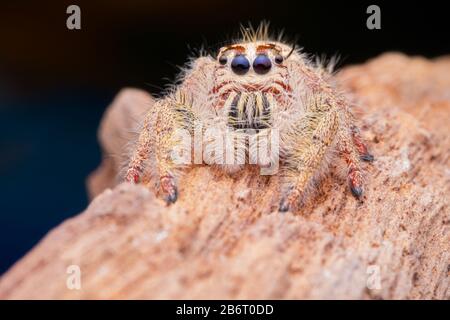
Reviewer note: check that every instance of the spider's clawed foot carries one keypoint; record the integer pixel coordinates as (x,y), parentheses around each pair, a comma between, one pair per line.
(367,157)
(357,191)
(172,197)
(289,200)
(355,183)
(284,206)
(169,189)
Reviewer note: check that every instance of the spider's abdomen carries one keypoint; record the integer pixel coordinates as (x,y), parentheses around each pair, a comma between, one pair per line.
(249,110)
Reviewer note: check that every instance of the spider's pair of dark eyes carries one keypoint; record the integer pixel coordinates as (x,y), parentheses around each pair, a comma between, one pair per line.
(240,64)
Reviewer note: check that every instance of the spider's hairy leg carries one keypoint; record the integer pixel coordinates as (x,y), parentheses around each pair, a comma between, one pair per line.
(353,152)
(317,83)
(348,140)
(310,140)
(157,141)
(159,137)
(351,156)
(352,149)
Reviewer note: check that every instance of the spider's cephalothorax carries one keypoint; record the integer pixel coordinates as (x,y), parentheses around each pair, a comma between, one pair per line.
(253,87)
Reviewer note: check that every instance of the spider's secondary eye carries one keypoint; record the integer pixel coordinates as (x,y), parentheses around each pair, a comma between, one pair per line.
(262,64)
(240,64)
(279,58)
(223,60)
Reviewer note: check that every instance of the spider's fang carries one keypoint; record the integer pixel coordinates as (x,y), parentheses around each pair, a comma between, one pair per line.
(249,111)
(367,157)
(289,54)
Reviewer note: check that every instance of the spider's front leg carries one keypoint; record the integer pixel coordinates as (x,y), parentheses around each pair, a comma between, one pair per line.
(316,83)
(309,141)
(349,151)
(158,139)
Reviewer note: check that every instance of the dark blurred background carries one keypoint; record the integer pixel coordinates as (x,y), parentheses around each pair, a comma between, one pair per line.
(55,83)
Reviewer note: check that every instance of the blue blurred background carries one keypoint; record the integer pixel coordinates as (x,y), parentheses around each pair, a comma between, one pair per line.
(56,83)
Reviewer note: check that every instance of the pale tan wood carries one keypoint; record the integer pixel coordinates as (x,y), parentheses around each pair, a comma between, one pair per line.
(225,239)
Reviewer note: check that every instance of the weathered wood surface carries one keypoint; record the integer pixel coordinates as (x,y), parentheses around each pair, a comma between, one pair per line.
(225,239)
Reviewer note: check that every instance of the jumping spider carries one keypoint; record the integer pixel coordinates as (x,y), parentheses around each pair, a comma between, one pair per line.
(256,84)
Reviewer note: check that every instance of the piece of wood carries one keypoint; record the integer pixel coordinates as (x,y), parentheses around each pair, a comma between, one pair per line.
(225,239)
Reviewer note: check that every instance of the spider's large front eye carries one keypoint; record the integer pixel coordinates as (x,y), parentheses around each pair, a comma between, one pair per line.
(240,64)
(262,64)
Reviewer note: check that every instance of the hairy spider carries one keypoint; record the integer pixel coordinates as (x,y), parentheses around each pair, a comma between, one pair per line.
(254,86)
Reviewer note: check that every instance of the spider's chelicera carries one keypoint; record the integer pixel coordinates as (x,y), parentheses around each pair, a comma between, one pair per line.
(254,88)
